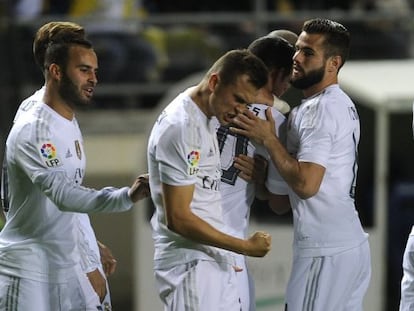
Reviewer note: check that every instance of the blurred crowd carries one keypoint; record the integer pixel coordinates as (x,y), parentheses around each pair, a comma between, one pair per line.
(132,50)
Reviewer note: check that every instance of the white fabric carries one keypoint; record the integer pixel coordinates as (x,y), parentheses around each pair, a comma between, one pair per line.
(45,163)
(330,283)
(238,194)
(200,285)
(23,294)
(407,282)
(324,130)
(183,150)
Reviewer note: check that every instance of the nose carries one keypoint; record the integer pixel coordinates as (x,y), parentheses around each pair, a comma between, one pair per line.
(296,57)
(93,78)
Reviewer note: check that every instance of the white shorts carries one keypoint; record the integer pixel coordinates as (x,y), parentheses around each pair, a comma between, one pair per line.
(198,286)
(245,285)
(19,294)
(330,283)
(407,282)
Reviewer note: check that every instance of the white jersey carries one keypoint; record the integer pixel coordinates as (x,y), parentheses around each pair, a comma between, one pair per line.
(45,165)
(325,130)
(238,194)
(88,247)
(183,150)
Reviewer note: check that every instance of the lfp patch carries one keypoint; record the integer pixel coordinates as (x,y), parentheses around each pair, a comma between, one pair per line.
(49,154)
(193,159)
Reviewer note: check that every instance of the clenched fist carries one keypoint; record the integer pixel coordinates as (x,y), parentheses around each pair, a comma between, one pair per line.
(259,244)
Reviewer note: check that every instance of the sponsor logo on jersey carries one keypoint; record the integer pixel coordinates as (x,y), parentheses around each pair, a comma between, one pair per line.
(193,159)
(78,149)
(49,154)
(210,183)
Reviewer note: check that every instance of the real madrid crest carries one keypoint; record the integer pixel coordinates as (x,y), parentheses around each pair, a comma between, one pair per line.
(78,149)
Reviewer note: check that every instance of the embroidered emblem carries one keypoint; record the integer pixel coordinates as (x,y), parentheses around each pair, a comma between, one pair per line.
(78,149)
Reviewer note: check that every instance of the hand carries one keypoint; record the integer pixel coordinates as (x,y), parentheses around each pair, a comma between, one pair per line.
(140,188)
(245,164)
(248,124)
(260,169)
(259,244)
(98,283)
(107,259)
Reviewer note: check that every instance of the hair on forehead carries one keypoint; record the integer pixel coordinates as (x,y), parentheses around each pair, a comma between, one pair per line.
(236,63)
(336,37)
(274,51)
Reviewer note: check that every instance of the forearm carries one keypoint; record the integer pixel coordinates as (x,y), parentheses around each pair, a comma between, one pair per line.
(287,166)
(72,198)
(196,229)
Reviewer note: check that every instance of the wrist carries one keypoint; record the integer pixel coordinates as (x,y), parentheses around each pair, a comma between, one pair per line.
(270,140)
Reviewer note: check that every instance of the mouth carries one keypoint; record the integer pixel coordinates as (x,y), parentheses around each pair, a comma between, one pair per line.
(88,91)
(296,71)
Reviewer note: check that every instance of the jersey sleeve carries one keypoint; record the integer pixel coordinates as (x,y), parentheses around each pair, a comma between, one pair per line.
(178,153)
(56,185)
(317,126)
(274,182)
(87,244)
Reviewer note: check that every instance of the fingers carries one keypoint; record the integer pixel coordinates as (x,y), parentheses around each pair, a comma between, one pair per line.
(107,259)
(269,115)
(237,269)
(140,189)
(246,166)
(109,266)
(260,169)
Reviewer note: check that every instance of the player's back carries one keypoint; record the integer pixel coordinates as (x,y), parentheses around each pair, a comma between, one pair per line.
(238,194)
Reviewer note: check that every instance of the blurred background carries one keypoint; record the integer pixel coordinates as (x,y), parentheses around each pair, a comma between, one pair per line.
(150,50)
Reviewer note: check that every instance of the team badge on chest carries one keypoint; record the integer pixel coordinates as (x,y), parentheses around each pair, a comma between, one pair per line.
(78,149)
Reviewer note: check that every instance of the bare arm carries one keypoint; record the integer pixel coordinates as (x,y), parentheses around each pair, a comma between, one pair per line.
(98,283)
(303,177)
(181,220)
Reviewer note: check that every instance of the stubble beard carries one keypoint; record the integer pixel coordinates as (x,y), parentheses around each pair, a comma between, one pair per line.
(311,78)
(70,93)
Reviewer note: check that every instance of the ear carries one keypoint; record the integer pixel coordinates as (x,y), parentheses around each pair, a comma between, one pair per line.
(213,81)
(55,71)
(334,63)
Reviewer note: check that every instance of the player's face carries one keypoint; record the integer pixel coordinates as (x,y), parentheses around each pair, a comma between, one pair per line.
(226,102)
(309,62)
(79,78)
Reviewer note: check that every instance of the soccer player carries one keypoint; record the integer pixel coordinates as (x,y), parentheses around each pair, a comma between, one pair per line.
(237,192)
(97,260)
(193,268)
(331,266)
(45,161)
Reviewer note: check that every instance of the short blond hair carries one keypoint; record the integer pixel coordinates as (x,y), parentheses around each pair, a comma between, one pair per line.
(46,34)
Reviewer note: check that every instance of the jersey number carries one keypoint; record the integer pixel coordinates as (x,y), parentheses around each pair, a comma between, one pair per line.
(230,174)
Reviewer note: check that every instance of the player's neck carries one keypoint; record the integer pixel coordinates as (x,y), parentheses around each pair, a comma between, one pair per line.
(54,101)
